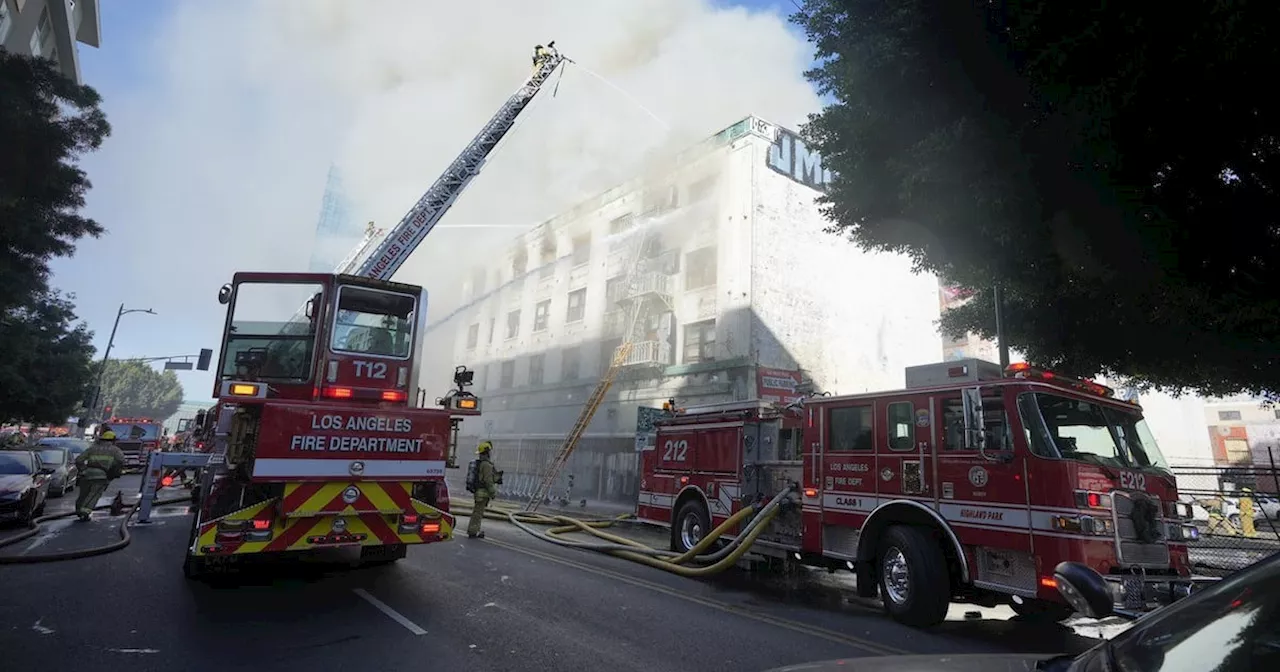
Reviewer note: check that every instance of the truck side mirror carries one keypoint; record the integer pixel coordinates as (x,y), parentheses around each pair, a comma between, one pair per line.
(224,294)
(975,435)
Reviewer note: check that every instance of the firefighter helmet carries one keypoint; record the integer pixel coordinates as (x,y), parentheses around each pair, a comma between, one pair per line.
(484,448)
(107,435)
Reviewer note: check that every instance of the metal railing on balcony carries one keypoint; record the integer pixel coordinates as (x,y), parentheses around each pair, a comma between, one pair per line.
(650,284)
(649,353)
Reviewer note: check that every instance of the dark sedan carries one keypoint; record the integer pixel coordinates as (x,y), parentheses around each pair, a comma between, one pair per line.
(63,477)
(24,486)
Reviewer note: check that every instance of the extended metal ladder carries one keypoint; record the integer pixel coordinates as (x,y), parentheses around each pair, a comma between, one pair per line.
(423,216)
(370,234)
(637,313)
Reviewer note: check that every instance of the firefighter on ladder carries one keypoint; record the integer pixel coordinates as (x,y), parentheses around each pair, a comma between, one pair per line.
(541,53)
(486,488)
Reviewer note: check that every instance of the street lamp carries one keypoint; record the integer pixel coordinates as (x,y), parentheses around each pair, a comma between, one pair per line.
(102,370)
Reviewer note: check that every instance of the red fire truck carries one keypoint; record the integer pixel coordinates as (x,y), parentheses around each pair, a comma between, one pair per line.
(136,438)
(969,485)
(317,437)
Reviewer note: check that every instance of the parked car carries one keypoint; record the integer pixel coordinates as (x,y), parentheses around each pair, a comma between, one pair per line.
(64,475)
(74,446)
(24,486)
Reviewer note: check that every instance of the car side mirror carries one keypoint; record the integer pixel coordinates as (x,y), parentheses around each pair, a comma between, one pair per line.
(47,470)
(1084,589)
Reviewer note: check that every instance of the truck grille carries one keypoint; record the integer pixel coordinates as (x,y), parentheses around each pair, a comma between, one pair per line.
(1140,529)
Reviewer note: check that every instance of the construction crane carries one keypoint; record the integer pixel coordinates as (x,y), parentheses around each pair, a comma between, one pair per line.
(638,305)
(405,237)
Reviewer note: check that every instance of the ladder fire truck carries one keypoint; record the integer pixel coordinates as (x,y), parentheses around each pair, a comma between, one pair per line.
(316,440)
(971,485)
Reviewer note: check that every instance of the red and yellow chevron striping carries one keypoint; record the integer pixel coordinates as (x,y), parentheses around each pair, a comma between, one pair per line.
(304,519)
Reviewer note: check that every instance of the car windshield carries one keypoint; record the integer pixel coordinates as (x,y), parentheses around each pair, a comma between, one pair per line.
(1232,627)
(272,331)
(16,463)
(1076,429)
(374,322)
(133,431)
(53,456)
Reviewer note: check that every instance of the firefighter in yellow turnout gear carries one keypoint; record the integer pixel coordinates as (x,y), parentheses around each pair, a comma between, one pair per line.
(102,463)
(485,488)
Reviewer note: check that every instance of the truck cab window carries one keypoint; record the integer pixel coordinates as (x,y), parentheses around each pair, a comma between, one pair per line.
(374,322)
(270,335)
(994,417)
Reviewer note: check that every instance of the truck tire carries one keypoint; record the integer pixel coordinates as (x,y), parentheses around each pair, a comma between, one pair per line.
(914,583)
(690,525)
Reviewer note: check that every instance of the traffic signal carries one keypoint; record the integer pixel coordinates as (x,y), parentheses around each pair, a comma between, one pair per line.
(106,411)
(202,364)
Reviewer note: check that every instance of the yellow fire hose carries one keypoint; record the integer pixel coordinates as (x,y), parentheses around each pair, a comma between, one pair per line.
(630,549)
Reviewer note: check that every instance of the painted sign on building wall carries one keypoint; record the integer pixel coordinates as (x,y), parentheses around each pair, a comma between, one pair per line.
(790,156)
(777,385)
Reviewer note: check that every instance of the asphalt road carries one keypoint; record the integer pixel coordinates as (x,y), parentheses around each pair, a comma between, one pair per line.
(508,602)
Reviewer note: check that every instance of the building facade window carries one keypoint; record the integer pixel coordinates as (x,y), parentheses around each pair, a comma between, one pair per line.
(508,376)
(473,336)
(1228,415)
(537,369)
(700,268)
(702,188)
(614,289)
(570,363)
(617,227)
(700,342)
(493,327)
(547,264)
(541,315)
(607,350)
(577,305)
(513,324)
(582,249)
(43,34)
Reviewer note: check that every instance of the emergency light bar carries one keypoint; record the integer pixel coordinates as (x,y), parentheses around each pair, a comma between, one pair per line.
(1025,371)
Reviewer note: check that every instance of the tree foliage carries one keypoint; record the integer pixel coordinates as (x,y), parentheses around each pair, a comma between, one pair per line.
(46,368)
(46,122)
(1112,166)
(134,389)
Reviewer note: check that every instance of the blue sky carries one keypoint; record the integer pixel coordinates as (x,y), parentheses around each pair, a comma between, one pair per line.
(224,127)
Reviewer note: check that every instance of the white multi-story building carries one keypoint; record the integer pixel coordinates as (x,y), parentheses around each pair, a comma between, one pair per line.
(746,297)
(50,28)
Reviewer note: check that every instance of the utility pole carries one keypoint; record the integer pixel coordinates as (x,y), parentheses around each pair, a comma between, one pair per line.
(1001,342)
(102,370)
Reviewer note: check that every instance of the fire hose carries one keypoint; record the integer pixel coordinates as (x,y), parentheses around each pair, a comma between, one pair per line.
(695,562)
(125,537)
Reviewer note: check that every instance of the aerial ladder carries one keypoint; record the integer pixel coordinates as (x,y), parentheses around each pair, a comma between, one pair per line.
(371,234)
(637,314)
(405,237)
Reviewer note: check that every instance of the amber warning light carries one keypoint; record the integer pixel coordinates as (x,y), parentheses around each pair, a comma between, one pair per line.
(244,390)
(467,404)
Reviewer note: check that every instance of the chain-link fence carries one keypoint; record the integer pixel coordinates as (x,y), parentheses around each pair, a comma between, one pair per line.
(1237,511)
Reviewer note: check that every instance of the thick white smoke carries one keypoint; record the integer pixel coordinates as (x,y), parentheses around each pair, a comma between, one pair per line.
(220,157)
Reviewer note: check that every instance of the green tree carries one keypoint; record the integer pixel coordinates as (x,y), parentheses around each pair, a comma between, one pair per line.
(46,368)
(134,389)
(1114,167)
(46,122)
